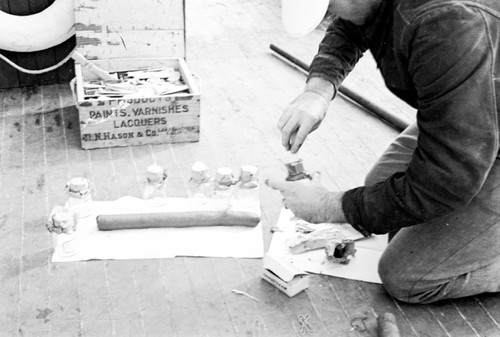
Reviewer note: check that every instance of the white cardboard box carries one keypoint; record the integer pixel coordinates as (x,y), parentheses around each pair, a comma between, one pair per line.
(284,276)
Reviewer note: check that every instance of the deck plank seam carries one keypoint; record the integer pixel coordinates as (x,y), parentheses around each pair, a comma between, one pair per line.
(21,250)
(134,278)
(488,313)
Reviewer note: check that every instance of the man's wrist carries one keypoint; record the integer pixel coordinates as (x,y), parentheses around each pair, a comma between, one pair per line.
(322,87)
(334,207)
(338,207)
(321,96)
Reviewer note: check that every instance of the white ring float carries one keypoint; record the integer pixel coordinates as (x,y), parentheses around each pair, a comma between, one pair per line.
(39,31)
(300,17)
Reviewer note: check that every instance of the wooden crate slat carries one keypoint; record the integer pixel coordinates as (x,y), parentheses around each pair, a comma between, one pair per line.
(131,44)
(120,15)
(104,28)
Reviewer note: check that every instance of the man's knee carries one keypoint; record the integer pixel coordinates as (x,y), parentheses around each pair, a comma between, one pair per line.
(405,281)
(394,281)
(407,286)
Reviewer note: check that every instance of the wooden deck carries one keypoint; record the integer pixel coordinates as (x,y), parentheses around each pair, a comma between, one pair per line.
(245,89)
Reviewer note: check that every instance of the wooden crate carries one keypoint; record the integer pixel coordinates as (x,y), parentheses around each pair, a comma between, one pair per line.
(124,35)
(138,121)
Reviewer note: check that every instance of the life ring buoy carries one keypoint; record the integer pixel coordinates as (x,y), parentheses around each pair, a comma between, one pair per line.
(300,17)
(39,31)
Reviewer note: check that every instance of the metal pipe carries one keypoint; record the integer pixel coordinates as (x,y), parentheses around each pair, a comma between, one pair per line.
(375,109)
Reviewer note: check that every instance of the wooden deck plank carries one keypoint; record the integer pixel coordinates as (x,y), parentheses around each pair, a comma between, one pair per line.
(157,309)
(94,299)
(121,285)
(56,154)
(187,317)
(10,266)
(128,181)
(451,319)
(34,311)
(278,319)
(92,292)
(491,306)
(243,309)
(329,307)
(64,300)
(126,309)
(208,298)
(360,315)
(178,171)
(12,214)
(423,320)
(477,319)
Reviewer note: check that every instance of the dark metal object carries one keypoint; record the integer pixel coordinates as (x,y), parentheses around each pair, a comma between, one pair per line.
(296,171)
(373,108)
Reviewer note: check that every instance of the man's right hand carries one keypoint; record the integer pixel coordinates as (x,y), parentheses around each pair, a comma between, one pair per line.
(305,114)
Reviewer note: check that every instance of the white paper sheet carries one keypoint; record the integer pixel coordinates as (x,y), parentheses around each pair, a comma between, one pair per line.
(217,241)
(363,266)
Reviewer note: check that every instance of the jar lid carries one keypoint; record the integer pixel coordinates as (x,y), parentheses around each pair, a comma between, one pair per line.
(156,173)
(61,221)
(248,173)
(224,176)
(199,172)
(78,185)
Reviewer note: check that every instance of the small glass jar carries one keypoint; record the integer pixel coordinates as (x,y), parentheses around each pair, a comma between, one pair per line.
(223,185)
(62,223)
(200,184)
(156,182)
(247,193)
(79,192)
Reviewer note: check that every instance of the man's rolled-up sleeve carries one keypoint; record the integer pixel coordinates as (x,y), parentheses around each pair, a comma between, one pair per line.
(339,51)
(450,60)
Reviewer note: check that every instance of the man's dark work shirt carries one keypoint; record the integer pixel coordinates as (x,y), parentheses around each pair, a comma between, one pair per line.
(443,58)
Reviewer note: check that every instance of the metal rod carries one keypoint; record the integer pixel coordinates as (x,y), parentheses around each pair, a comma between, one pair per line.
(375,109)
